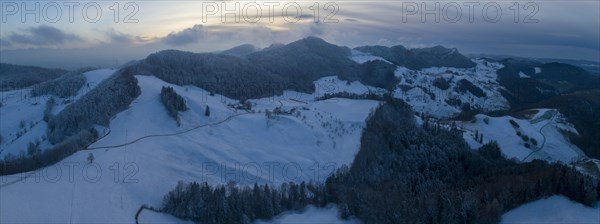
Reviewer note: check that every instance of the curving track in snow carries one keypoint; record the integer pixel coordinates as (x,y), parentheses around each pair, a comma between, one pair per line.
(166,135)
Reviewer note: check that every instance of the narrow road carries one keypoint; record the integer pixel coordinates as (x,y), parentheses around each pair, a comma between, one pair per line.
(543,137)
(166,135)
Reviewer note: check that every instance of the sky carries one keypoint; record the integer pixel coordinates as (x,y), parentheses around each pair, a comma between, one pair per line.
(72,34)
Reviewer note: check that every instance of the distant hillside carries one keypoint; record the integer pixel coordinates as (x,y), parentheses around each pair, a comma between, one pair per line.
(306,60)
(241,50)
(269,72)
(437,56)
(566,77)
(19,76)
(529,81)
(227,75)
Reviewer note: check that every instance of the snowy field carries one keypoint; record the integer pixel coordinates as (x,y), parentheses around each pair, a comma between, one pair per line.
(555,209)
(311,214)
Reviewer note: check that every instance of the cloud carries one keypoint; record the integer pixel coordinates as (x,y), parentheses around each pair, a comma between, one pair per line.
(121,38)
(316,29)
(116,37)
(4,43)
(43,35)
(186,36)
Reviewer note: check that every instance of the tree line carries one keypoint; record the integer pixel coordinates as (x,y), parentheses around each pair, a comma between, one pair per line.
(231,203)
(64,86)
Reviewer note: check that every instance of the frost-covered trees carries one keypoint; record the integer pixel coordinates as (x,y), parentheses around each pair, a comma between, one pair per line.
(229,203)
(173,102)
(19,164)
(64,86)
(464,85)
(18,76)
(230,76)
(379,74)
(110,97)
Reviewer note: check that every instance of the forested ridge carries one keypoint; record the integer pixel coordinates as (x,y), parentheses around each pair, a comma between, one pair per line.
(20,76)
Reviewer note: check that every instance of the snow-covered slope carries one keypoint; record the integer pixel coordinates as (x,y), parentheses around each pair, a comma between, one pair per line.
(151,217)
(538,135)
(417,88)
(361,57)
(423,91)
(21,115)
(244,146)
(555,209)
(310,215)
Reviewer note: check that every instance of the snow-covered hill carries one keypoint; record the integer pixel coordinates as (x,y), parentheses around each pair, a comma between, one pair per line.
(539,134)
(555,209)
(21,114)
(442,91)
(245,146)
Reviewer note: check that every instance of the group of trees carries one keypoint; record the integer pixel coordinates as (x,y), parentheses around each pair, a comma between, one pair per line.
(347,95)
(403,173)
(441,83)
(173,102)
(230,203)
(379,74)
(464,85)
